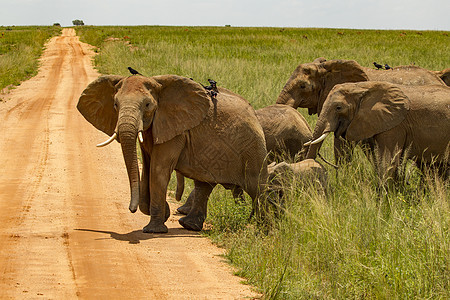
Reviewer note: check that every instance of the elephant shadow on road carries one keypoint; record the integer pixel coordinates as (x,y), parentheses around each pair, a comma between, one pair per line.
(136,236)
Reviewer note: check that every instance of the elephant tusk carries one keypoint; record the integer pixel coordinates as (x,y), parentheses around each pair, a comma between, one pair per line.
(141,137)
(307,143)
(112,138)
(321,138)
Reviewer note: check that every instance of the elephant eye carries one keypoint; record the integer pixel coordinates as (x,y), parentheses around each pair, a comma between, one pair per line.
(302,86)
(338,108)
(147,105)
(116,106)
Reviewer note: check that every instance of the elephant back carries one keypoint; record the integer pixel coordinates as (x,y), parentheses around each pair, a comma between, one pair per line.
(229,145)
(285,130)
(405,75)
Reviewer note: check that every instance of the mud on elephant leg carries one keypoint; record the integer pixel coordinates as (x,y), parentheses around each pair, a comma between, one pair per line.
(197,215)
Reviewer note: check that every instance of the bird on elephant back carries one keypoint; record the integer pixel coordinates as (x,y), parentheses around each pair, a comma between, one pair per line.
(181,128)
(310,84)
(398,121)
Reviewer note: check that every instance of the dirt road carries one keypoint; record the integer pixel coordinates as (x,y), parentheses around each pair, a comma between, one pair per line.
(65,228)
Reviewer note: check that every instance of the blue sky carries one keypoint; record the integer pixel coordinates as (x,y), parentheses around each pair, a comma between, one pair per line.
(362,14)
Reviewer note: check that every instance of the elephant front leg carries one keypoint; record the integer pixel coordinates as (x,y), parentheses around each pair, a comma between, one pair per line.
(164,158)
(144,199)
(159,208)
(197,215)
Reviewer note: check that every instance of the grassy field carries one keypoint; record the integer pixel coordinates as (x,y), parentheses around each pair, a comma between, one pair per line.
(356,241)
(20,47)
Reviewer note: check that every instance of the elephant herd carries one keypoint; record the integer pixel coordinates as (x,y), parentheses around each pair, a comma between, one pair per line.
(221,139)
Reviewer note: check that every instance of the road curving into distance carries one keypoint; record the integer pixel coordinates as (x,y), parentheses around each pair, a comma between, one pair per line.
(65,228)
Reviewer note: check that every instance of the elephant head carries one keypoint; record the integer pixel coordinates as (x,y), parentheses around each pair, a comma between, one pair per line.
(358,111)
(310,83)
(161,107)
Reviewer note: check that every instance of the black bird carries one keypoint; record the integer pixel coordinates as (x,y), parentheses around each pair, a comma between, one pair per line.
(133,71)
(211,89)
(387,67)
(213,84)
(378,66)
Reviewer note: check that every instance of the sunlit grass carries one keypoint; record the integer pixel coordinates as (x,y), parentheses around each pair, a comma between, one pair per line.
(20,48)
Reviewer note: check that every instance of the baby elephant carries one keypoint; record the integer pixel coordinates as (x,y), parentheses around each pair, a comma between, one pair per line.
(308,171)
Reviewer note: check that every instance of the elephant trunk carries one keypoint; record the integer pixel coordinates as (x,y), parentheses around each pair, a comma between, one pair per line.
(286,98)
(321,130)
(128,134)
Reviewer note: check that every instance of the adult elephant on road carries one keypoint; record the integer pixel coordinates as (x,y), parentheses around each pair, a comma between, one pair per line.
(285,131)
(411,120)
(310,84)
(209,139)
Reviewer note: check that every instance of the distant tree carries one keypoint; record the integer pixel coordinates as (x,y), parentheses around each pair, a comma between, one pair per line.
(78,22)
(57,24)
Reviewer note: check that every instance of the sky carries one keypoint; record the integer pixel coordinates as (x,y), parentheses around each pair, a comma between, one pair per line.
(358,14)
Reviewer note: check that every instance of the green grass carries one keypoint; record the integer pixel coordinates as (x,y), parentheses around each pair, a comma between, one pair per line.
(356,241)
(20,48)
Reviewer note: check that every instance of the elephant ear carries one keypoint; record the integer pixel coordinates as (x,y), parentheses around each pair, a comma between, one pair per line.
(339,71)
(182,105)
(382,106)
(96,103)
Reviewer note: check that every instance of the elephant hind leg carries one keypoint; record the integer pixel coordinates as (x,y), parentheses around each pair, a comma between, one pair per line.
(186,207)
(197,215)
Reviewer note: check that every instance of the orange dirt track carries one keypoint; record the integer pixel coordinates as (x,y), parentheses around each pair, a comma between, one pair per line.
(65,228)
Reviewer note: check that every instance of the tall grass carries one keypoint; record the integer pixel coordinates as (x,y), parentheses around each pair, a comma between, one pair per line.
(356,240)
(20,48)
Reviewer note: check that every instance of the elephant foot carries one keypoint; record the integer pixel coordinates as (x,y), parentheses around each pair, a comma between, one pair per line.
(154,227)
(192,223)
(184,209)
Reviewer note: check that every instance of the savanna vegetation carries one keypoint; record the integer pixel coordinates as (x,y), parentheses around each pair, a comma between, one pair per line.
(20,48)
(357,240)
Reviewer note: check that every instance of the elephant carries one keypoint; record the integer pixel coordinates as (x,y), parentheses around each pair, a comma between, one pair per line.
(209,138)
(308,170)
(285,132)
(399,121)
(444,75)
(310,84)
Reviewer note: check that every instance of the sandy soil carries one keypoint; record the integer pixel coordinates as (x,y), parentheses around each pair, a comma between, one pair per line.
(65,228)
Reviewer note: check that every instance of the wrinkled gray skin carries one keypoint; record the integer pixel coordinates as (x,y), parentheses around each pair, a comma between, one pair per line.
(308,171)
(310,84)
(285,132)
(399,121)
(212,142)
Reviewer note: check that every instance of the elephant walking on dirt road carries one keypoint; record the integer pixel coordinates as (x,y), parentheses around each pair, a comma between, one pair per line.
(209,139)
(399,121)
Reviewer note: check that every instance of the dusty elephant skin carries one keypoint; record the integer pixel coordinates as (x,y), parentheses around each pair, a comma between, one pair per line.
(308,171)
(209,140)
(399,121)
(285,132)
(310,84)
